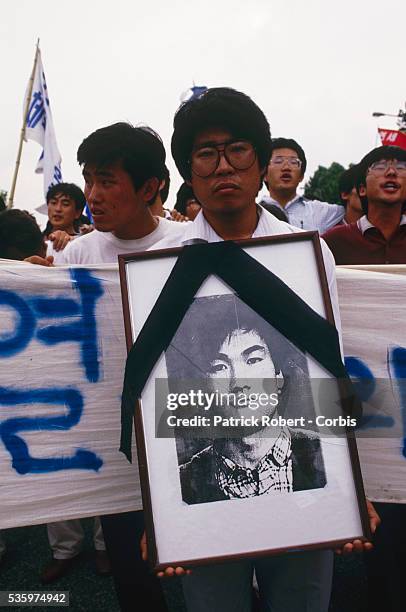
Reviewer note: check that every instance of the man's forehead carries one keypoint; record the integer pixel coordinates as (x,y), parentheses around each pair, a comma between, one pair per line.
(61,196)
(105,169)
(284,152)
(385,159)
(213,135)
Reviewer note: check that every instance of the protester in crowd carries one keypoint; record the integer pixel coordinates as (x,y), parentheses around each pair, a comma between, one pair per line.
(286,169)
(65,204)
(123,168)
(157,206)
(379,236)
(66,540)
(349,197)
(21,238)
(186,203)
(221,146)
(129,225)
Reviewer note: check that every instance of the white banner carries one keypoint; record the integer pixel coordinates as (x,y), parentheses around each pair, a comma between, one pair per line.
(373,315)
(40,128)
(62,356)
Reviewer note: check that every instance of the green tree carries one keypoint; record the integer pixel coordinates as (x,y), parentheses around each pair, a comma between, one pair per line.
(323,185)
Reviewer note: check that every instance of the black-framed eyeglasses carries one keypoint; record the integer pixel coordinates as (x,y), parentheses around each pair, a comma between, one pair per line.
(240,154)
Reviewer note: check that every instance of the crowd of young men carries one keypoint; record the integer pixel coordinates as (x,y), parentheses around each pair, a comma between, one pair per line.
(223,150)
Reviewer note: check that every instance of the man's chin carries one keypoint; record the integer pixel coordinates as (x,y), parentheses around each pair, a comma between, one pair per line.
(102,227)
(232,206)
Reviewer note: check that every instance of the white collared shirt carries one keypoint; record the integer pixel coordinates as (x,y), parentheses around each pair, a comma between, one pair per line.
(310,214)
(364,223)
(268,225)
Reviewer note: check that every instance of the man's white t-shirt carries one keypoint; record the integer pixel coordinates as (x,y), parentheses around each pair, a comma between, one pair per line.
(57,255)
(103,247)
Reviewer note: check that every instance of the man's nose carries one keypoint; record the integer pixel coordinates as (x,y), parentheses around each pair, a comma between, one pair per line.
(238,381)
(224,167)
(93,194)
(390,170)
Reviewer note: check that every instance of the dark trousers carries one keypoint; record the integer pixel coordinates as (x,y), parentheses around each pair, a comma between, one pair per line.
(137,587)
(386,563)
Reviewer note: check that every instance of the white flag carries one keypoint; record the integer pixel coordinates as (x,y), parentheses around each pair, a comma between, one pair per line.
(40,127)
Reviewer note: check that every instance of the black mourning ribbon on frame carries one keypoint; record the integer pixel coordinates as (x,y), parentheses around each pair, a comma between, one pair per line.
(257,287)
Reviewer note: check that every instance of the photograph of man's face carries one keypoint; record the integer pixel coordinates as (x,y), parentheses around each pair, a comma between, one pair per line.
(254,376)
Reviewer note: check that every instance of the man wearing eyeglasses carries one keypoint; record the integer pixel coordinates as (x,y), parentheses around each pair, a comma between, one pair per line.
(286,170)
(221,146)
(379,237)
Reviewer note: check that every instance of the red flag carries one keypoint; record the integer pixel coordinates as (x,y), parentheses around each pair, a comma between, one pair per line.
(393,137)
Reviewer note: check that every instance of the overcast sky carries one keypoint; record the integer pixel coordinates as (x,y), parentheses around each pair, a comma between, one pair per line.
(318,69)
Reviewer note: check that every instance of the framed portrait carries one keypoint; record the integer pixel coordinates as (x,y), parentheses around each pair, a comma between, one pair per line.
(244,446)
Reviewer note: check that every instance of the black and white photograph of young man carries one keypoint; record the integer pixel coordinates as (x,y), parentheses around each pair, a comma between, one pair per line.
(226,347)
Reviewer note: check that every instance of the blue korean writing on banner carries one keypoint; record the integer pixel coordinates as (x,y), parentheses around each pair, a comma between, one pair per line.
(36,110)
(84,330)
(57,176)
(397,366)
(365,385)
(28,313)
(22,461)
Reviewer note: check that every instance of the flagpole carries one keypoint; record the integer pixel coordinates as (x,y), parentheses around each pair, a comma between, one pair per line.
(22,133)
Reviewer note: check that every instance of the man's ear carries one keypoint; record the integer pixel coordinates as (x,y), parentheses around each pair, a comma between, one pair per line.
(263,175)
(362,190)
(150,189)
(188,183)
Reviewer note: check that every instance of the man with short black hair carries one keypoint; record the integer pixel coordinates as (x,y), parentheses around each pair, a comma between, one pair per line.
(221,146)
(123,167)
(347,185)
(286,169)
(378,237)
(65,204)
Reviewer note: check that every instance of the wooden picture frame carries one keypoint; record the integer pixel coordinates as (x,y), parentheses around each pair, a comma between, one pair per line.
(187,529)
